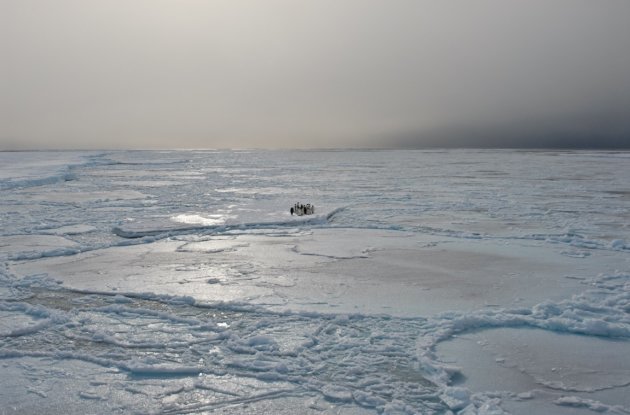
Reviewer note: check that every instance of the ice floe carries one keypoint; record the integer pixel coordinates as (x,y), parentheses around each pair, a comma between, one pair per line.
(433,282)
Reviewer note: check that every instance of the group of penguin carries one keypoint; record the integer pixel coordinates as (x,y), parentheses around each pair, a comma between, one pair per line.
(300,209)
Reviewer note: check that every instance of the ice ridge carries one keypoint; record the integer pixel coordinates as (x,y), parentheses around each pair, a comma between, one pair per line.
(163,227)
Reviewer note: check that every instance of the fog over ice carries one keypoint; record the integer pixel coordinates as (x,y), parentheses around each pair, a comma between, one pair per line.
(280,73)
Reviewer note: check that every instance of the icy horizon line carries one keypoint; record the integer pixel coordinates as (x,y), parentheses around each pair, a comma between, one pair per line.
(358,148)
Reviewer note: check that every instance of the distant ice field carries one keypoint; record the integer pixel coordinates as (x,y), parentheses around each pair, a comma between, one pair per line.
(456,281)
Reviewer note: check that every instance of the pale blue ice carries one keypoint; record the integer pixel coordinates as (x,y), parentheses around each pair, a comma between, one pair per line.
(459,281)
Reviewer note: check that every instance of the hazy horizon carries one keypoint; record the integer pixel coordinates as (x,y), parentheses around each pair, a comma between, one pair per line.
(157,74)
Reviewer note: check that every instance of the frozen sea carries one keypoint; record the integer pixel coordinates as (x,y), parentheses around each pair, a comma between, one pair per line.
(177,282)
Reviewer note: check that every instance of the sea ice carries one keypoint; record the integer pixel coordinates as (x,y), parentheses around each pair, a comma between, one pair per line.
(471,282)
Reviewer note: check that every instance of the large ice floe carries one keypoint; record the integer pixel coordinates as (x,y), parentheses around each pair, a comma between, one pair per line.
(435,282)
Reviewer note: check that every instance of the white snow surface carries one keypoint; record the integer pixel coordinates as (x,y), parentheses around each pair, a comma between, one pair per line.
(471,282)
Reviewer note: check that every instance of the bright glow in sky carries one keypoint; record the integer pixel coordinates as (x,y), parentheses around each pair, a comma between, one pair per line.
(325,73)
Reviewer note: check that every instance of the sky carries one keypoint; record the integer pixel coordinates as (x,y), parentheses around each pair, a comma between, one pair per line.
(101,74)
